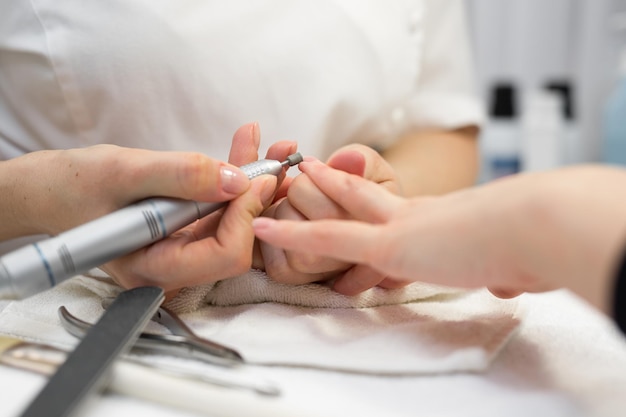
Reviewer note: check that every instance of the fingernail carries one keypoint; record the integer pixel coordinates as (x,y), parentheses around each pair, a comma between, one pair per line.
(306,164)
(255,132)
(261,223)
(234,180)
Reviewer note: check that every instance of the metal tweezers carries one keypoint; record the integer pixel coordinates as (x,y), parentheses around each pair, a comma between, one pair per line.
(183,342)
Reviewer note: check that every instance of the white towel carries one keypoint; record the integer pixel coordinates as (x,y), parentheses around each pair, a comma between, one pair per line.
(418,329)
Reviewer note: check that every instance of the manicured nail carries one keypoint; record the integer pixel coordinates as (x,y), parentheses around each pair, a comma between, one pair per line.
(234,180)
(255,132)
(309,161)
(262,223)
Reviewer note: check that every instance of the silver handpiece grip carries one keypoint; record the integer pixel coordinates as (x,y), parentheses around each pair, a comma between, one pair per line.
(41,265)
(44,264)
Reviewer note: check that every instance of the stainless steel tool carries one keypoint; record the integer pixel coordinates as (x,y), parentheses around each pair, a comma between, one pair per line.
(86,368)
(184,343)
(230,372)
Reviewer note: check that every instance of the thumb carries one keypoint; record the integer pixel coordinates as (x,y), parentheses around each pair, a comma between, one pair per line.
(236,222)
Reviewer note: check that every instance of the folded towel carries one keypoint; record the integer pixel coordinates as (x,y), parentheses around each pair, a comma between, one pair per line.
(417,329)
(255,288)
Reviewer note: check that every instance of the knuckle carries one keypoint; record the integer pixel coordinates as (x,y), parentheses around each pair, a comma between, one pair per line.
(254,209)
(303,262)
(243,264)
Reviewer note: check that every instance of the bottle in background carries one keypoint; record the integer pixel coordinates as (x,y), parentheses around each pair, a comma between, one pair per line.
(500,139)
(572,147)
(542,146)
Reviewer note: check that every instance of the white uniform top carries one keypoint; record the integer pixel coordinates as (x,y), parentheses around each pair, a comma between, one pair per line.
(185,74)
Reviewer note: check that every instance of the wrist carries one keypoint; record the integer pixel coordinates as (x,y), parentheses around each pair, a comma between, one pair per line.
(17,200)
(30,185)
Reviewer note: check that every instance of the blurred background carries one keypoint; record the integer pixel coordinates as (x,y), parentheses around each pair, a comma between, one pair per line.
(553,75)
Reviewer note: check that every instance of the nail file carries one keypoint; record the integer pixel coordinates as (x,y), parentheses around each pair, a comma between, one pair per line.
(86,368)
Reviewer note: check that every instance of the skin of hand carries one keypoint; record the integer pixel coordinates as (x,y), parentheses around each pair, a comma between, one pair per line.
(428,162)
(52,191)
(524,233)
(306,202)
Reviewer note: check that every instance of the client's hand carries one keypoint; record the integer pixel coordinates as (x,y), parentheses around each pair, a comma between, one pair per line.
(305,201)
(525,233)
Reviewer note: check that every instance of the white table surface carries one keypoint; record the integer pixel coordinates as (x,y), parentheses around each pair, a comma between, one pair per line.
(565,360)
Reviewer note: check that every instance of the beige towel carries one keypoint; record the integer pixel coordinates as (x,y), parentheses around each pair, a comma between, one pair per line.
(255,288)
(418,329)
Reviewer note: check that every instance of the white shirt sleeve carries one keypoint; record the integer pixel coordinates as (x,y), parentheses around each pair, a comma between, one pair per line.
(446,95)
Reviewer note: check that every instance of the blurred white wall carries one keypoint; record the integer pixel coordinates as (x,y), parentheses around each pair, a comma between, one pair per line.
(533,42)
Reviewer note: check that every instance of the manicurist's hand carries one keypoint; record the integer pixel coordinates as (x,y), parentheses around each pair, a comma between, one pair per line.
(52,191)
(218,246)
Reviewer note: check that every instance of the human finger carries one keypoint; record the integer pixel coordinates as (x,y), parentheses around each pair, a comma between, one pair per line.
(365,162)
(235,232)
(244,150)
(505,292)
(361,198)
(278,268)
(275,261)
(279,151)
(357,279)
(295,267)
(393,283)
(348,241)
(186,175)
(303,261)
(306,197)
(245,144)
(355,159)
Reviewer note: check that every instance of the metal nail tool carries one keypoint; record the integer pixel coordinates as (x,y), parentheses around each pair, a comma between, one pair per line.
(45,359)
(182,343)
(228,374)
(86,368)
